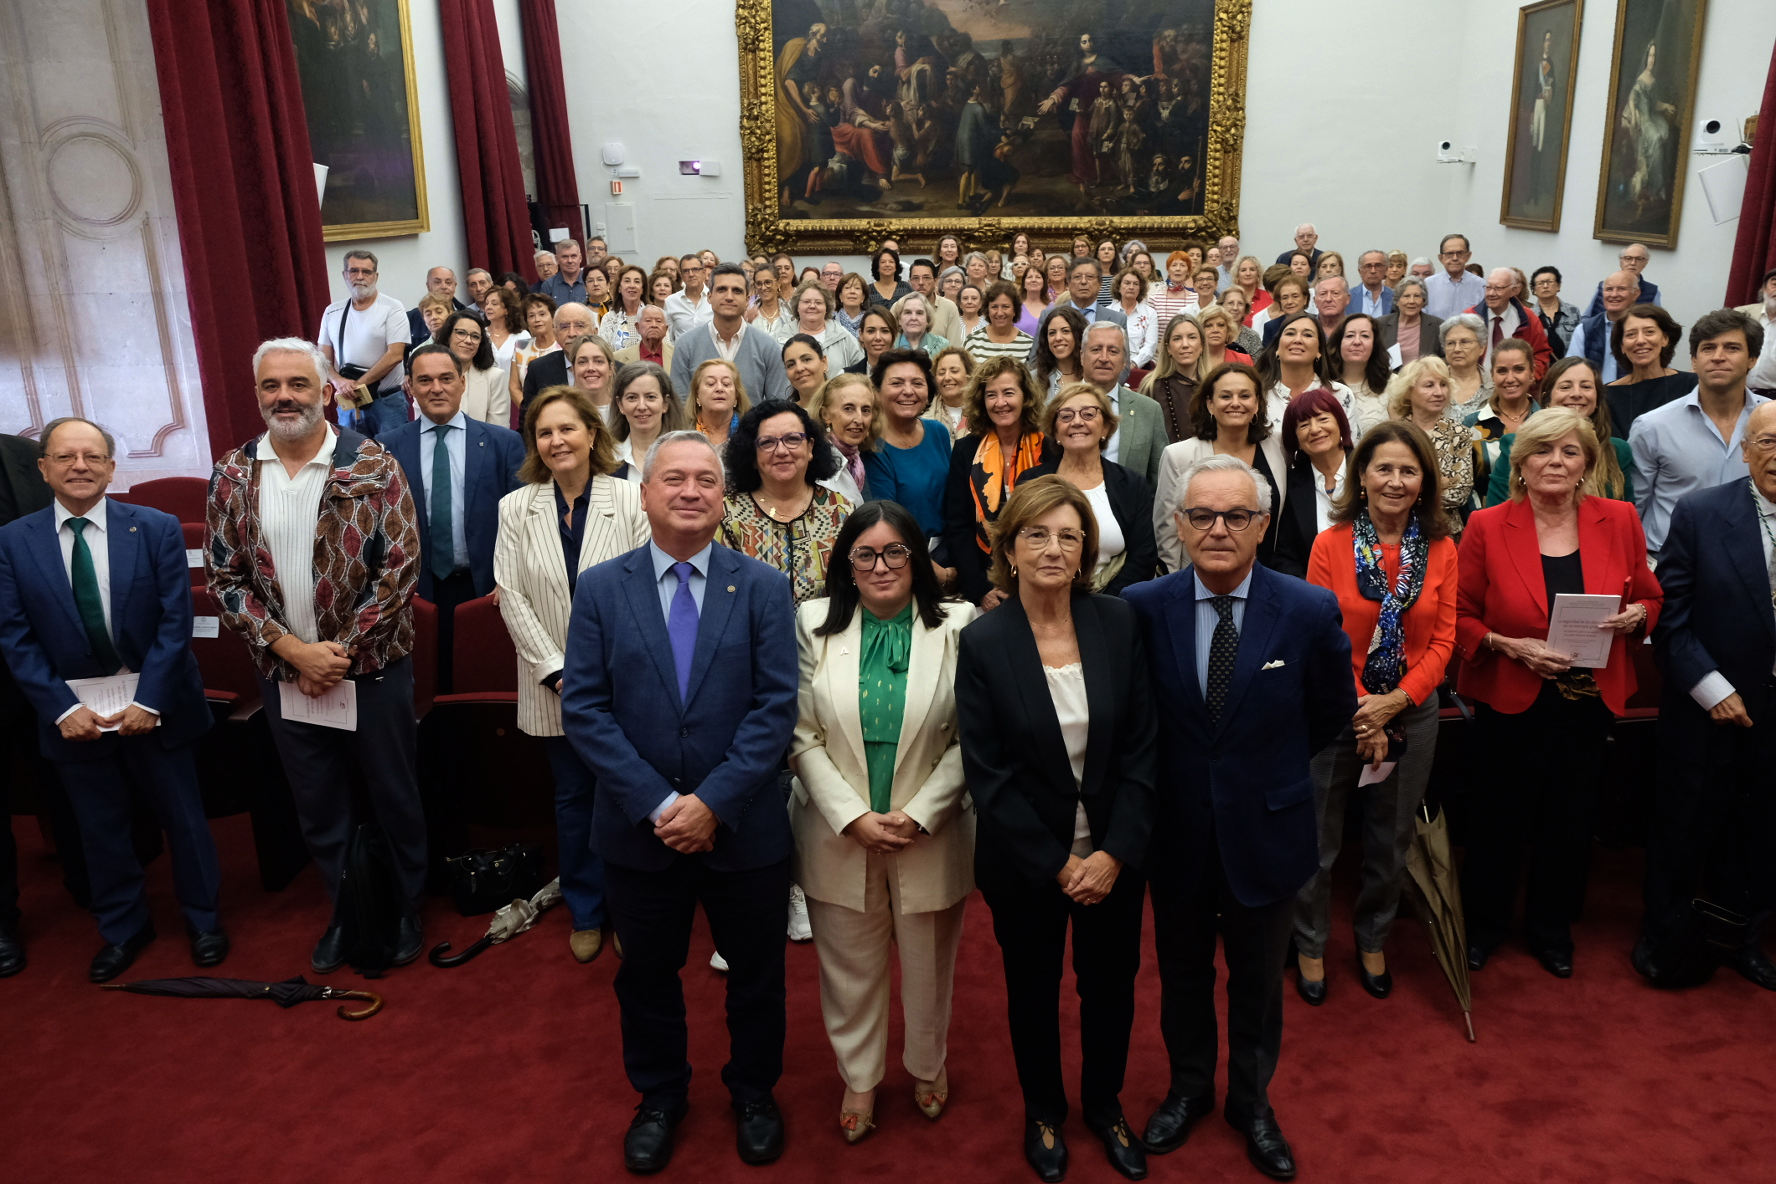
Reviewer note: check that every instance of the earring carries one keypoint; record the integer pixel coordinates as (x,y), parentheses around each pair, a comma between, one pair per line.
(1014,571)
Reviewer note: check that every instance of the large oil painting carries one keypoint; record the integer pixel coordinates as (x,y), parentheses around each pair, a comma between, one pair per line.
(982,117)
(1541,114)
(355,62)
(1646,139)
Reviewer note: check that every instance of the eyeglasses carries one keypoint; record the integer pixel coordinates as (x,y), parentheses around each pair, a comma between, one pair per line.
(1633,258)
(789,440)
(1204,520)
(895,555)
(1763,443)
(65,459)
(1040,536)
(1082,414)
(466,334)
(1453,254)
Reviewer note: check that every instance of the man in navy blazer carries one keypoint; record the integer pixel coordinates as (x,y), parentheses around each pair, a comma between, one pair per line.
(91,588)
(680,693)
(482,460)
(1715,834)
(1252,670)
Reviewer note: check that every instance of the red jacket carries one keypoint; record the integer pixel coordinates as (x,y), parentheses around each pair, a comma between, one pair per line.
(1529,327)
(1501,590)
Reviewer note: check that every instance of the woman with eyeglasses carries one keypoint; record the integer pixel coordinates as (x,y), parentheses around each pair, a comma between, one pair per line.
(777,511)
(486,393)
(884,844)
(1081,420)
(1059,750)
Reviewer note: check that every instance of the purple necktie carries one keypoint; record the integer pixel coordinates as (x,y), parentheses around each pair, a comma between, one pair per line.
(681,627)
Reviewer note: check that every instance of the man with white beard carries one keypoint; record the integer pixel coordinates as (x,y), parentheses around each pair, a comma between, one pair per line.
(364,340)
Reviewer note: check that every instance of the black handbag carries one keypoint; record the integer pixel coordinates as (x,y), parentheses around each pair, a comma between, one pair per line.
(482,881)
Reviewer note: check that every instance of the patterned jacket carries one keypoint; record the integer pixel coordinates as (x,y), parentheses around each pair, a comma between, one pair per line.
(366,558)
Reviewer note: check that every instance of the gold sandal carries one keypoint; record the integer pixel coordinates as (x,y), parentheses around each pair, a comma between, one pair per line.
(931,1096)
(856,1124)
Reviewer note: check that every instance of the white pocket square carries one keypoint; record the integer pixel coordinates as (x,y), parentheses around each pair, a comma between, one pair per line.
(1272,665)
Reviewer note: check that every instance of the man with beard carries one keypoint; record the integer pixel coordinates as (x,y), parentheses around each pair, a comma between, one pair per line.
(313,551)
(364,339)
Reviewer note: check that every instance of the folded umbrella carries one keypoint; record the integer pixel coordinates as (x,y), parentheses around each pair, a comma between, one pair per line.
(1437,902)
(506,924)
(287,993)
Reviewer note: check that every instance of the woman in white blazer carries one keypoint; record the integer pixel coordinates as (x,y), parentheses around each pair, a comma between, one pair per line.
(884,835)
(571,513)
(486,392)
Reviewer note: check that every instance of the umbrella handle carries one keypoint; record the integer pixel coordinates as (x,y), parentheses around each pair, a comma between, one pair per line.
(345,1013)
(440,956)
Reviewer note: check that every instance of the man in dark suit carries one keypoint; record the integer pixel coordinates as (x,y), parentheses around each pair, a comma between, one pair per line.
(1251,670)
(440,282)
(572,322)
(1305,238)
(455,495)
(90,589)
(1715,834)
(680,693)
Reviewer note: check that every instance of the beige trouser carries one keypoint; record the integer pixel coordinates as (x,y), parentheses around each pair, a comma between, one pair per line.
(853,948)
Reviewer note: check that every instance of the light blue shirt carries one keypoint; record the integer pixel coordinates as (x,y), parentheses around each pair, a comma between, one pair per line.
(1445,297)
(1609,370)
(1207,618)
(1370,302)
(456,445)
(667,583)
(1678,450)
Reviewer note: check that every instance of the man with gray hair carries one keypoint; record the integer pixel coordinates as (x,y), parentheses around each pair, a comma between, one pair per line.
(1305,238)
(1374,298)
(1507,316)
(700,641)
(1331,301)
(572,322)
(1253,671)
(1139,437)
(440,282)
(546,266)
(1229,245)
(312,550)
(1421,268)
(364,338)
(479,281)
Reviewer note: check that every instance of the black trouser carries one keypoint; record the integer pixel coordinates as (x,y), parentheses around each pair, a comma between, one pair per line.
(1030,923)
(1191,906)
(19,732)
(1714,831)
(1545,794)
(319,763)
(456,588)
(652,912)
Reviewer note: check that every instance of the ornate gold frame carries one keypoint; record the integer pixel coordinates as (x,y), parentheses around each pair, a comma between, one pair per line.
(1667,238)
(767,231)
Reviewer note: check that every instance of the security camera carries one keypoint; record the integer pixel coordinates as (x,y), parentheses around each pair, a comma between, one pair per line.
(1447,153)
(1710,133)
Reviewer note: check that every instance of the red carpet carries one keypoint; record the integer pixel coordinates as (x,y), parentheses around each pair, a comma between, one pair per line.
(509,1069)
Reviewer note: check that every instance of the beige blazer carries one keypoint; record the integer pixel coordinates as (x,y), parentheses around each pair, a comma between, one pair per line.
(487,395)
(831,789)
(1174,461)
(632,353)
(532,580)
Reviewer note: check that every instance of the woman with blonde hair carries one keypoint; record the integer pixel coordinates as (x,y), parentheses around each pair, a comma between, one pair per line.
(717,400)
(1177,371)
(847,407)
(1419,394)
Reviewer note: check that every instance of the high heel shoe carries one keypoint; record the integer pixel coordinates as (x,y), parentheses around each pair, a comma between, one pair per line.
(931,1096)
(1378,985)
(1313,990)
(855,1124)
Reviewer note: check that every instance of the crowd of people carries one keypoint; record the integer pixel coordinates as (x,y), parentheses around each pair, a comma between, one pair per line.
(1079,577)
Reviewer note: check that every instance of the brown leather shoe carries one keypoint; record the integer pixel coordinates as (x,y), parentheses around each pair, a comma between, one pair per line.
(586,944)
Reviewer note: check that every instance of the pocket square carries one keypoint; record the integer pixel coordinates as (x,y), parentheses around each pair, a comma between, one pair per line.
(1272,665)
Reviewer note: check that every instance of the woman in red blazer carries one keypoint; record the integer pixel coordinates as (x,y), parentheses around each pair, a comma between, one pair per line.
(1551,718)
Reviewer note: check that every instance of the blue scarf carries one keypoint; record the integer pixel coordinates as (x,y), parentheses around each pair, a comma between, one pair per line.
(1386,662)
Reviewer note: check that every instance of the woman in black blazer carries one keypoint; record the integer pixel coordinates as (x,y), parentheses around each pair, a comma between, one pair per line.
(1317,437)
(1081,420)
(1059,747)
(1409,302)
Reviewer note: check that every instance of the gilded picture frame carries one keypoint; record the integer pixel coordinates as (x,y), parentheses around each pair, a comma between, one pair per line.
(1155,153)
(1646,131)
(354,59)
(1540,126)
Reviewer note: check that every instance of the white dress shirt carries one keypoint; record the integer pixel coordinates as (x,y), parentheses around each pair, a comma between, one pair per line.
(1508,323)
(456,446)
(289,508)
(1714,687)
(684,314)
(96,541)
(1763,375)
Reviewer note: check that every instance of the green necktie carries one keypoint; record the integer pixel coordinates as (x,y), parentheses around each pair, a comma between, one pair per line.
(443,532)
(86,599)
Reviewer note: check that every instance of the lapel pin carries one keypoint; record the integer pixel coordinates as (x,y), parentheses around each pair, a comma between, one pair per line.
(133,531)
(730,586)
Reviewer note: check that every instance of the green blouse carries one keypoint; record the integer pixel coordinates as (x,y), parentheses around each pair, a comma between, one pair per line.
(881,697)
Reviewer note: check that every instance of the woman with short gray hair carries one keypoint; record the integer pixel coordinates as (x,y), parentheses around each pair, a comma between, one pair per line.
(1409,326)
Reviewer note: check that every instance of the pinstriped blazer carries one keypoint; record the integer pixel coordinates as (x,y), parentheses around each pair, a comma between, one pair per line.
(532,580)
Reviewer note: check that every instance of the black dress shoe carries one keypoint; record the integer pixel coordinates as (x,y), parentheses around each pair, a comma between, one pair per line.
(329,953)
(1379,985)
(1046,1150)
(1125,1151)
(1478,953)
(208,949)
(1312,990)
(12,953)
(758,1131)
(1171,1123)
(409,940)
(1266,1147)
(1558,963)
(1749,961)
(647,1147)
(112,961)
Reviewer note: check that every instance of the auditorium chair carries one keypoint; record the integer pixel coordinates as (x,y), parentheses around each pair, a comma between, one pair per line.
(182,497)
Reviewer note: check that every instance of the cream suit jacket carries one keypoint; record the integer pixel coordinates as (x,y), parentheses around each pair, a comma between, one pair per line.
(832,778)
(532,579)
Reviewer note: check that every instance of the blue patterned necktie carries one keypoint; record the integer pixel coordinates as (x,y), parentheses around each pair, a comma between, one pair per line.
(1223,646)
(86,599)
(681,627)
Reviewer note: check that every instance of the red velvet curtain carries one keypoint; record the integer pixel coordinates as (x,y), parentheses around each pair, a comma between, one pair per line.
(243,189)
(558,187)
(495,216)
(1754,251)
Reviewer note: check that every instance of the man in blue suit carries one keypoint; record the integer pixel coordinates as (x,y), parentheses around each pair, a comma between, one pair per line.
(680,693)
(1715,802)
(1252,669)
(91,588)
(455,495)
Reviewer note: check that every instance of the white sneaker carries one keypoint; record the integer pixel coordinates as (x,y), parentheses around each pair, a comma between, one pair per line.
(718,963)
(799,929)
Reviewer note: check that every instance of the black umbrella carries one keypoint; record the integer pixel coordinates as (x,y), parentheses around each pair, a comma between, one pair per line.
(287,993)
